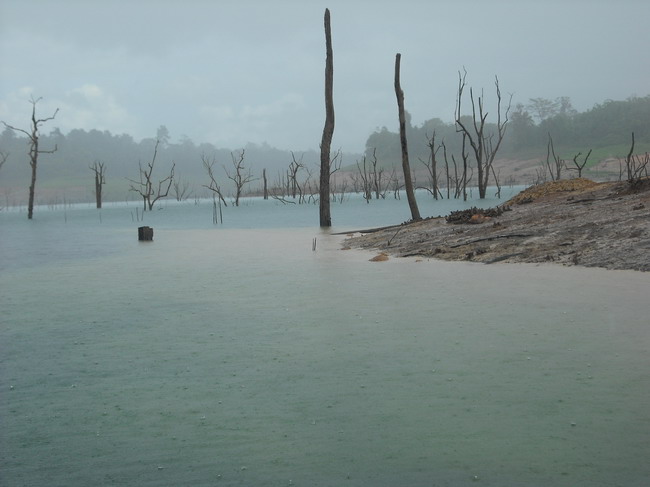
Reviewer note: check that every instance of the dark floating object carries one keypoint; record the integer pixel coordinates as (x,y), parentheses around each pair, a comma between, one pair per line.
(145,234)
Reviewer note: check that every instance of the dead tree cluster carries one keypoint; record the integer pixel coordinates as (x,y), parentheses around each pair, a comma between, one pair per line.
(636,166)
(554,164)
(456,178)
(370,179)
(296,184)
(484,143)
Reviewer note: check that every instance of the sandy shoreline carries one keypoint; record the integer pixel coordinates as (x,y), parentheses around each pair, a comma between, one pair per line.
(570,222)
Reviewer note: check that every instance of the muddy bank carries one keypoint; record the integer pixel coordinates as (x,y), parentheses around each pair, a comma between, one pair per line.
(570,222)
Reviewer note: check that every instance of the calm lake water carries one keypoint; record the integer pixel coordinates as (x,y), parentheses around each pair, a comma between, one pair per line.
(234,354)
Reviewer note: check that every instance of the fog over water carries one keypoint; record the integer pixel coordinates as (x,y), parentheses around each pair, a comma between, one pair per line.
(237,355)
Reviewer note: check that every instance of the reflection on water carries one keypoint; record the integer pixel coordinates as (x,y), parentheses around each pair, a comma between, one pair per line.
(242,357)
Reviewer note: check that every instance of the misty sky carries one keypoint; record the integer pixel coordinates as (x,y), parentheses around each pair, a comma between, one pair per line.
(232,72)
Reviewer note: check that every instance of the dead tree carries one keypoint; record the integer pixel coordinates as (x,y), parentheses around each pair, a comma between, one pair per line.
(377,176)
(578,166)
(208,164)
(328,130)
(558,163)
(396,184)
(99,169)
(496,181)
(240,177)
(145,186)
(265,188)
(483,144)
(466,177)
(408,182)
(432,166)
(34,150)
(447,175)
(364,176)
(294,168)
(636,167)
(3,158)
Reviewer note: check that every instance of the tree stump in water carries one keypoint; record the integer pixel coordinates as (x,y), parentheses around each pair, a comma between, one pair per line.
(145,234)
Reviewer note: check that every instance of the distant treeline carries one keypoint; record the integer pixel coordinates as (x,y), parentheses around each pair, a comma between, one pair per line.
(68,167)
(605,125)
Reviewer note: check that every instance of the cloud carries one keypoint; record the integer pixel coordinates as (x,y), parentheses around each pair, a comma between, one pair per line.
(231,125)
(85,107)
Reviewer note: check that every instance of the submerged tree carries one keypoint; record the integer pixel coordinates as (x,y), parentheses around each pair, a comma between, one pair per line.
(144,186)
(240,176)
(328,130)
(34,150)
(99,169)
(408,182)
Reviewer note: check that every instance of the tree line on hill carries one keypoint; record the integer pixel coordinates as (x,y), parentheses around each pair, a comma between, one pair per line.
(73,164)
(610,123)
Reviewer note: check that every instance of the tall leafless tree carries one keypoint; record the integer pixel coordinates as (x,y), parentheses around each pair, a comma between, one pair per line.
(99,169)
(144,186)
(485,144)
(328,130)
(34,150)
(241,176)
(406,168)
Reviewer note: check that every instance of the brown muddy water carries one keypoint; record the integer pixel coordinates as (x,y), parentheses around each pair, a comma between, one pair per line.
(242,357)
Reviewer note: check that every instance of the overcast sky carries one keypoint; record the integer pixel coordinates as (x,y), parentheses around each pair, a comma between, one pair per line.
(232,72)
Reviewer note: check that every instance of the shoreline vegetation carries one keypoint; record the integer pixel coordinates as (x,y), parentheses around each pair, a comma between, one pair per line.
(568,222)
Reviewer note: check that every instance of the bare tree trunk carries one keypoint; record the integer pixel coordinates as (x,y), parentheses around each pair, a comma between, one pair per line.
(100,179)
(266,186)
(328,130)
(408,182)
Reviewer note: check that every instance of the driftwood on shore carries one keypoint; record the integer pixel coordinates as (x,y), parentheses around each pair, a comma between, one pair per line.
(475,215)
